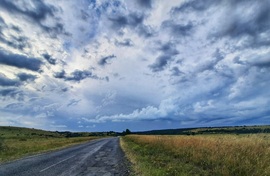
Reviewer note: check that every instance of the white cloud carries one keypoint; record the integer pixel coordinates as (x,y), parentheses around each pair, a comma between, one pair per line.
(179,60)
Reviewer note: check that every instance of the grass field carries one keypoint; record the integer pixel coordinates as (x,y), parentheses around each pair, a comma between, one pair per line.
(220,154)
(18,142)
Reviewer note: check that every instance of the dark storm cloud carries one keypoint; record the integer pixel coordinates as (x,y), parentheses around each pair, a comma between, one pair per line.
(125,42)
(168,51)
(79,75)
(210,65)
(176,72)
(76,76)
(4,81)
(146,31)
(49,58)
(73,102)
(19,42)
(20,61)
(251,26)
(2,24)
(218,55)
(15,42)
(14,93)
(7,92)
(145,3)
(84,15)
(237,60)
(105,60)
(241,24)
(121,20)
(58,28)
(194,5)
(160,63)
(16,28)
(256,60)
(64,89)
(26,77)
(263,63)
(60,75)
(38,13)
(22,77)
(259,60)
(178,29)
(134,21)
(168,48)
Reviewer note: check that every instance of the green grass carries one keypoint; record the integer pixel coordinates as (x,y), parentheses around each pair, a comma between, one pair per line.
(19,133)
(18,142)
(222,155)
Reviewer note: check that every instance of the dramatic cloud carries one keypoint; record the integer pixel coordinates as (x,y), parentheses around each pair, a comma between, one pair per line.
(105,60)
(38,12)
(145,3)
(132,20)
(4,81)
(22,77)
(178,29)
(160,63)
(49,59)
(126,42)
(20,61)
(142,64)
(26,77)
(168,51)
(195,5)
(76,75)
(79,75)
(18,42)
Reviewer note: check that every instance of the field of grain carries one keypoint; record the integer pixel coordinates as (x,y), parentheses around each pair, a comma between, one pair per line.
(199,155)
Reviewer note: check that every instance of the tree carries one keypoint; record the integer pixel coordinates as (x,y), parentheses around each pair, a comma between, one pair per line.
(126,132)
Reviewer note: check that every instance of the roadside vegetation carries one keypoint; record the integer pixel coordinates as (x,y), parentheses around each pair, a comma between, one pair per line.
(17,142)
(215,154)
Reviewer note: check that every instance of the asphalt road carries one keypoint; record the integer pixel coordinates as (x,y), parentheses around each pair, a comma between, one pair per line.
(102,157)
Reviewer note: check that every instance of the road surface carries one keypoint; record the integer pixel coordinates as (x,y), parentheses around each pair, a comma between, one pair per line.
(101,157)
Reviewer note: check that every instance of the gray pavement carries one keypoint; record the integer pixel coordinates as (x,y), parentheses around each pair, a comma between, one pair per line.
(101,157)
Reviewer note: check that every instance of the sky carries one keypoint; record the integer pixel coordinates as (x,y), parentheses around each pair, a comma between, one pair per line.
(102,65)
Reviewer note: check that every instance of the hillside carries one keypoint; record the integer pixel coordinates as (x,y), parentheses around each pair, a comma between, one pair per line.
(9,132)
(210,130)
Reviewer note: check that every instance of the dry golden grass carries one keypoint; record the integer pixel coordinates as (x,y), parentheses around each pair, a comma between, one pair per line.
(201,155)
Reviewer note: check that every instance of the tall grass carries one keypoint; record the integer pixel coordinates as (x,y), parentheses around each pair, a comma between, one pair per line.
(199,155)
(16,142)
